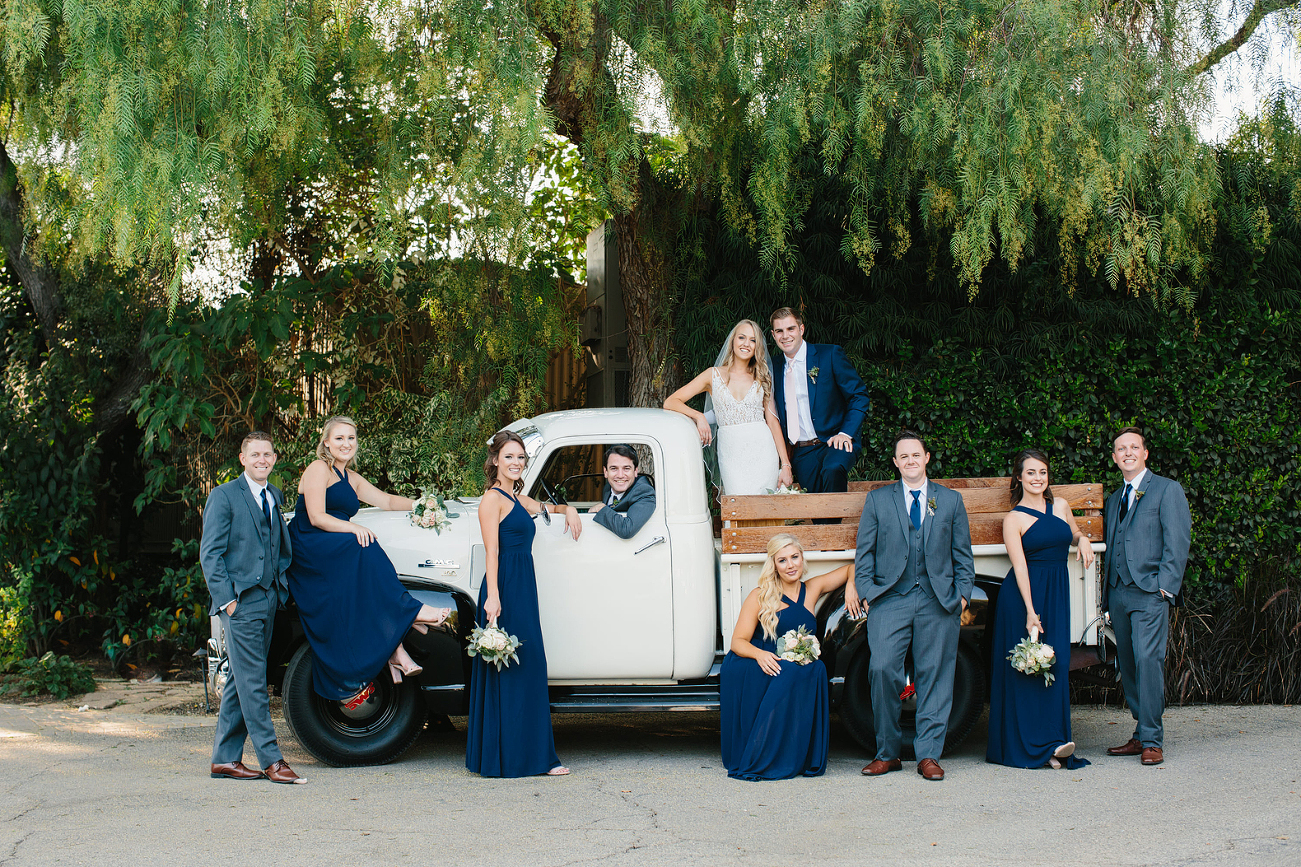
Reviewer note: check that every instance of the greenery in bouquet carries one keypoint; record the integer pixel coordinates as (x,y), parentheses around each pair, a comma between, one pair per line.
(785,489)
(1034,657)
(798,646)
(493,645)
(430,512)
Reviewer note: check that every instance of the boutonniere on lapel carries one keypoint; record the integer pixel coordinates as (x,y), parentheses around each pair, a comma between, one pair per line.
(930,507)
(813,375)
(1138,495)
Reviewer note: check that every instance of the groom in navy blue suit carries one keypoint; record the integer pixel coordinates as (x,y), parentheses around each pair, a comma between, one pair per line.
(821,404)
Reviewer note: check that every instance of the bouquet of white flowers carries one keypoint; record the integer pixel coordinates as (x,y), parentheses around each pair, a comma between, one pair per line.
(430,512)
(798,646)
(494,645)
(1034,657)
(784,490)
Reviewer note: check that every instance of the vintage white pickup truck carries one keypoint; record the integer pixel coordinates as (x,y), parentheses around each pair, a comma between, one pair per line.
(641,624)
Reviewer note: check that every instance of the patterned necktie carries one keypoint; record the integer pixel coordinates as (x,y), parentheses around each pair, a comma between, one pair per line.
(266,506)
(1124,502)
(915,513)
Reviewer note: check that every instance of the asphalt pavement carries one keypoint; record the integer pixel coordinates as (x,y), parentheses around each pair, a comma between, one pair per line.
(108,787)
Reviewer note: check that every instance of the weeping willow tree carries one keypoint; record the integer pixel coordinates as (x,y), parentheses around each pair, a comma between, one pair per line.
(135,129)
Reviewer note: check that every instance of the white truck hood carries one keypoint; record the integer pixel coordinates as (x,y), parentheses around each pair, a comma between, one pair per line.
(453,557)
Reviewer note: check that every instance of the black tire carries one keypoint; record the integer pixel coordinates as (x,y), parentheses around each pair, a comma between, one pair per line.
(376,733)
(968,702)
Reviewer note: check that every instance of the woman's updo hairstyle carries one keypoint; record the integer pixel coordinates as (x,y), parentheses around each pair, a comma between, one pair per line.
(495,445)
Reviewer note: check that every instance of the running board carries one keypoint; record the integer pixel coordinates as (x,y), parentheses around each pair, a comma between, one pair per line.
(695,696)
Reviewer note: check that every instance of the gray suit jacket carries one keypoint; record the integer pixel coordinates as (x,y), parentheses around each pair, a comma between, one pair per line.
(1152,542)
(631,513)
(883,545)
(234,545)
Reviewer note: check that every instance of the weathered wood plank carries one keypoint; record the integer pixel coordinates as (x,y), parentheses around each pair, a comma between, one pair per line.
(986,529)
(988,499)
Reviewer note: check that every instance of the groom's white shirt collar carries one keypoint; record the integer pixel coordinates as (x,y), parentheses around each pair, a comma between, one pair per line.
(801,355)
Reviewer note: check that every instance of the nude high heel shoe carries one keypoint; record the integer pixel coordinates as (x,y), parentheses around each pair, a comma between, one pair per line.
(422,626)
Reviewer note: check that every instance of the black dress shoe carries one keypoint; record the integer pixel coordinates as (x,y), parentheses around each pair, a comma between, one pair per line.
(235,771)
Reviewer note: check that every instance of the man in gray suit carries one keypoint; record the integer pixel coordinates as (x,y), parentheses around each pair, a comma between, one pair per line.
(627,499)
(1148,531)
(244,553)
(915,571)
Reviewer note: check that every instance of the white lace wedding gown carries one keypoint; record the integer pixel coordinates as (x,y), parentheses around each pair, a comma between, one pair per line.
(747,456)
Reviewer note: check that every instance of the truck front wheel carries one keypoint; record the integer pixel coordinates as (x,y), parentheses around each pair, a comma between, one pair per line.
(374,733)
(968,701)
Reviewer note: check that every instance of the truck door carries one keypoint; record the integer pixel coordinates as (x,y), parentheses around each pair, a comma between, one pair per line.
(606,603)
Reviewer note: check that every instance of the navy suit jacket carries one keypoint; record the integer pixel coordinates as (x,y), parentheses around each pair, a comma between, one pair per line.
(631,513)
(838,399)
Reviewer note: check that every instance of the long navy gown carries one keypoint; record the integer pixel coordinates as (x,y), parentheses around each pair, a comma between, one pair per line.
(354,610)
(1028,720)
(775,727)
(509,731)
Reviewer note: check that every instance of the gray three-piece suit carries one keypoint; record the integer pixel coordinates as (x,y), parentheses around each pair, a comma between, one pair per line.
(244,557)
(1146,554)
(914,581)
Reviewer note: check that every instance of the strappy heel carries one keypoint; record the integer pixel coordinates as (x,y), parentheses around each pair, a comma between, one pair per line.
(422,626)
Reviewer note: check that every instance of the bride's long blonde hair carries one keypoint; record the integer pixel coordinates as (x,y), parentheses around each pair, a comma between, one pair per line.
(770,586)
(758,362)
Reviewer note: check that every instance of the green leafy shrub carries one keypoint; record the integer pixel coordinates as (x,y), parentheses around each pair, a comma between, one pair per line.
(59,676)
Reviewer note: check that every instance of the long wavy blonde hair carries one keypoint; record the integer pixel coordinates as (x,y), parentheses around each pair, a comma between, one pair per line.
(758,362)
(770,585)
(322,445)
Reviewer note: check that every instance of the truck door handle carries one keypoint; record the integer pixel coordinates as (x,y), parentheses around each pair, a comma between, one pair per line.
(651,544)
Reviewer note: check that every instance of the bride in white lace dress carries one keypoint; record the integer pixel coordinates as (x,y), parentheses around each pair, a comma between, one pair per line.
(751,447)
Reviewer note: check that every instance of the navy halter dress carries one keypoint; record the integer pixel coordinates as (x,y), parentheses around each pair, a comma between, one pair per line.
(509,730)
(354,610)
(775,727)
(1028,720)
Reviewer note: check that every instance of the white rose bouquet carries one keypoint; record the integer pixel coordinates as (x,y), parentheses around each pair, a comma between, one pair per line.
(493,645)
(430,512)
(1034,657)
(798,646)
(784,490)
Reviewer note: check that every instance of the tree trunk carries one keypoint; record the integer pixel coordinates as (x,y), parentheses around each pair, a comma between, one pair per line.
(645,238)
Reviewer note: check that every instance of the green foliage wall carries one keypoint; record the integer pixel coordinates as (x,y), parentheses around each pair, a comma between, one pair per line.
(1024,363)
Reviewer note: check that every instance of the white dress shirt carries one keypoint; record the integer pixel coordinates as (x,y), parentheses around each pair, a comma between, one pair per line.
(257,490)
(799,417)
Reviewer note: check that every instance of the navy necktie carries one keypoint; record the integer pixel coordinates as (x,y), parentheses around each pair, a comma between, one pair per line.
(1124,503)
(266,506)
(915,513)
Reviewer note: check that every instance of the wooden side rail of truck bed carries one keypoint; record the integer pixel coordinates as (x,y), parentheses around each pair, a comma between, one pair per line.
(750,521)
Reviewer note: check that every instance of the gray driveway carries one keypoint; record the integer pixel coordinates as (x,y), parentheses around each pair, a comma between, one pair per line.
(114,788)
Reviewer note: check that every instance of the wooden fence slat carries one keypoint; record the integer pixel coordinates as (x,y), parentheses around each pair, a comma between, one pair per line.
(783,506)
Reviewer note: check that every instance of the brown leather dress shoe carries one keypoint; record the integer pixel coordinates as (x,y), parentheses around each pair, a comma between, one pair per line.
(235,771)
(1131,747)
(930,769)
(280,772)
(877,767)
(1152,756)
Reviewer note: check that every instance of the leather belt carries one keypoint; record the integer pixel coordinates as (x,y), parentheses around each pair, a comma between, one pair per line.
(806,443)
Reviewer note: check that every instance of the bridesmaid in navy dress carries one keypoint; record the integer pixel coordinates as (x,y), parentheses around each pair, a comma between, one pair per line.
(509,732)
(354,610)
(774,717)
(1030,723)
